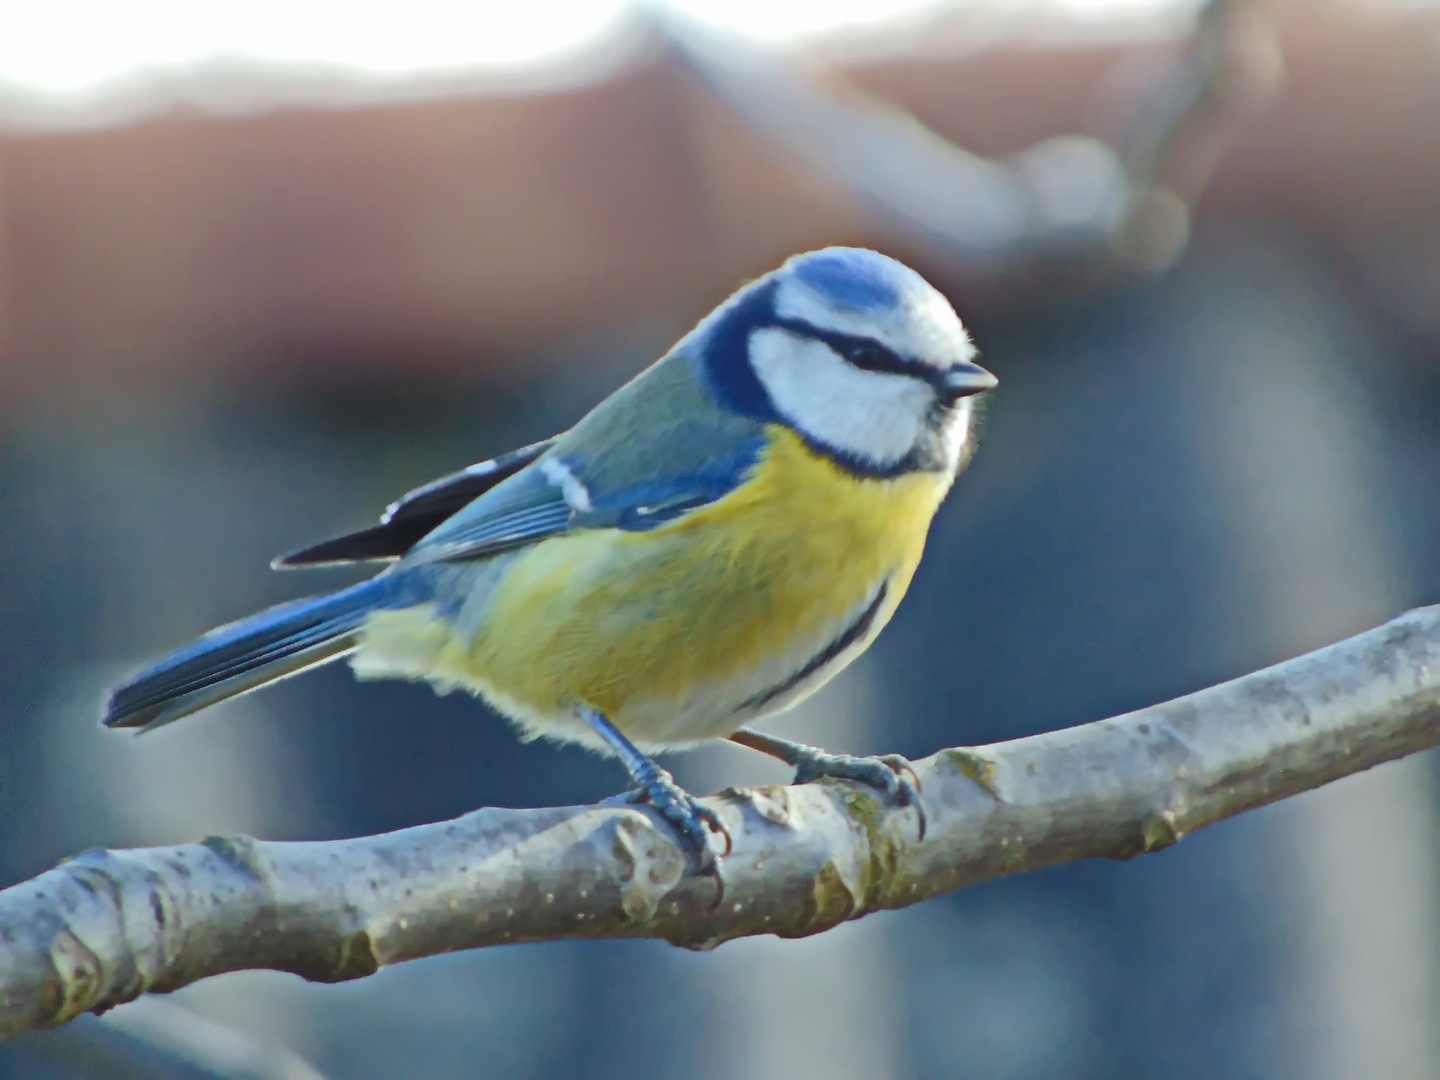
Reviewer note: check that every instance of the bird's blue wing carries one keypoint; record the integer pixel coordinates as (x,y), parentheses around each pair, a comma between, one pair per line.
(415,514)
(524,509)
(653,452)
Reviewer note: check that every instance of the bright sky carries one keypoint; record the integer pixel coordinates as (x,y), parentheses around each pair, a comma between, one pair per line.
(69,47)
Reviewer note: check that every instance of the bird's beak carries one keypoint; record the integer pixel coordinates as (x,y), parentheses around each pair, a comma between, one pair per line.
(963,380)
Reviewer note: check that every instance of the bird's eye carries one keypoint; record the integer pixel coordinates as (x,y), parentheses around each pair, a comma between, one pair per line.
(870,356)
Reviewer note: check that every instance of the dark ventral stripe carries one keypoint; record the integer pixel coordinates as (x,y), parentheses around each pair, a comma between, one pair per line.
(849,636)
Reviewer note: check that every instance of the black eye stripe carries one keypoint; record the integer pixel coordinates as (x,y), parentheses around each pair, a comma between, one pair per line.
(872,356)
(867,354)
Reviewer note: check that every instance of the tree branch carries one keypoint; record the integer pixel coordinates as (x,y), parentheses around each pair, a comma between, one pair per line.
(1173,143)
(108,926)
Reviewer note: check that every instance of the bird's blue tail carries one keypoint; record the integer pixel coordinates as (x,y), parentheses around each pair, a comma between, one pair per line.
(232,659)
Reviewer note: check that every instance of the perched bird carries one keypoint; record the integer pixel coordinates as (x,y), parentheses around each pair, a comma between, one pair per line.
(708,546)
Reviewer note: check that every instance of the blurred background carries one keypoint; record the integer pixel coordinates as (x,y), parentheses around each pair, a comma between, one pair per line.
(263,267)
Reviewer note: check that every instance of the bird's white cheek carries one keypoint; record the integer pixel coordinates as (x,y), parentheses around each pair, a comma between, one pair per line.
(874,416)
(956,432)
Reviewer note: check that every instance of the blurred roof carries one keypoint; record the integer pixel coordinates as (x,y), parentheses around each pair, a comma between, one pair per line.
(251,226)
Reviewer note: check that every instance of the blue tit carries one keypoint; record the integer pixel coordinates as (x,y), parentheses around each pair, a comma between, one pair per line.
(708,546)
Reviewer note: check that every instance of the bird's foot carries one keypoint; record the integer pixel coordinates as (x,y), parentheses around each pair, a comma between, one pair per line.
(690,818)
(654,786)
(890,774)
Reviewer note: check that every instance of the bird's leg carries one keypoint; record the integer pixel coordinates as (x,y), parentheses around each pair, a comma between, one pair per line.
(890,774)
(653,785)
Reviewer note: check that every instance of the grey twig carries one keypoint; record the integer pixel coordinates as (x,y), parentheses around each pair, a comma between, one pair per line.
(156,1039)
(108,926)
(1174,141)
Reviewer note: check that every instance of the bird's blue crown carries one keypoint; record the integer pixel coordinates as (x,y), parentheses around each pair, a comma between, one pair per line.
(832,293)
(853,278)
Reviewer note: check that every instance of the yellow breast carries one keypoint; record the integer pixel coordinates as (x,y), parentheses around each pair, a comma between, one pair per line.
(668,631)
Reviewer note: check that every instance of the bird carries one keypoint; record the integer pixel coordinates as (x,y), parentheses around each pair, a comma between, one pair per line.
(705,548)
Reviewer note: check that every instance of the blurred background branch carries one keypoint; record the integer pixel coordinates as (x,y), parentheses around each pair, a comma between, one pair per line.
(108,926)
(1172,145)
(336,241)
(156,1040)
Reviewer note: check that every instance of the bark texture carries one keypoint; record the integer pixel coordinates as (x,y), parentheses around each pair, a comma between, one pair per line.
(107,926)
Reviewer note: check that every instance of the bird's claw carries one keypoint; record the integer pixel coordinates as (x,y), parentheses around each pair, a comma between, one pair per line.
(691,819)
(890,774)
